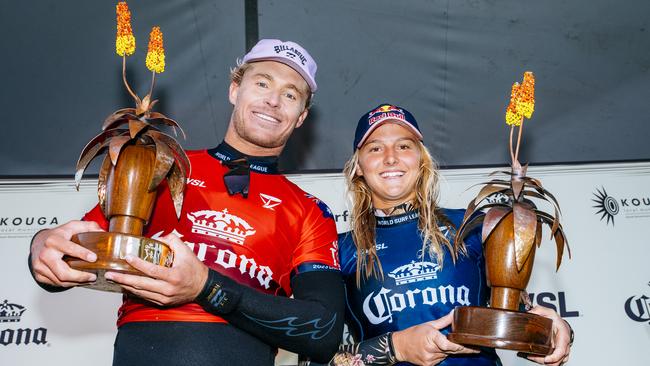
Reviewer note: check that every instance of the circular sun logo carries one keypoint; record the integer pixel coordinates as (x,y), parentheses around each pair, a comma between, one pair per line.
(606,204)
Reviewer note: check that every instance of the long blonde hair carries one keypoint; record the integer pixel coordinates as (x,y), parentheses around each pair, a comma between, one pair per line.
(363,220)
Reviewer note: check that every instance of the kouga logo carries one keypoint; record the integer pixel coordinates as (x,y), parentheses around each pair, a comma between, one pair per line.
(608,207)
(24,226)
(12,313)
(220,224)
(637,308)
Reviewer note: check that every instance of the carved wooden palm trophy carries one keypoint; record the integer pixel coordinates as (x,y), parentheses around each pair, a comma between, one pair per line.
(139,157)
(512,229)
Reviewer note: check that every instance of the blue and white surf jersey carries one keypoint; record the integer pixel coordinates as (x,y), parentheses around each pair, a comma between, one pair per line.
(414,289)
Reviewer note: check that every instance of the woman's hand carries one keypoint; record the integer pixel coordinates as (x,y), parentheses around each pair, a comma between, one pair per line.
(423,344)
(561,342)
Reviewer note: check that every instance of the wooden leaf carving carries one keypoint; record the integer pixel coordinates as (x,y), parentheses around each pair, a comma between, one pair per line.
(164,161)
(176,182)
(179,154)
(492,218)
(101,183)
(487,191)
(115,147)
(135,126)
(91,150)
(525,227)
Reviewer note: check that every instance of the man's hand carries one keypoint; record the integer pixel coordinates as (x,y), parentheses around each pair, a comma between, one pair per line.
(561,339)
(423,344)
(164,286)
(49,247)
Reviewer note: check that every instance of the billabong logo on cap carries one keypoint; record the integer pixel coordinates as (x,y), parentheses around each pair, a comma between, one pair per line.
(290,52)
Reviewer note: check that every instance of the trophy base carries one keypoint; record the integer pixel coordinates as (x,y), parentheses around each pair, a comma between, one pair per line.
(111,249)
(505,329)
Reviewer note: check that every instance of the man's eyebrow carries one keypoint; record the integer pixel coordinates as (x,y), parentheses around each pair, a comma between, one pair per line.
(289,85)
(264,75)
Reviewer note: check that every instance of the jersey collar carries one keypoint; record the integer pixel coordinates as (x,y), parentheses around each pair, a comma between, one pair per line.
(259,164)
(386,221)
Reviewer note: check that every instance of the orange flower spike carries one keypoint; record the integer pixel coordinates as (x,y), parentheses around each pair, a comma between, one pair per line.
(526,102)
(513,116)
(124,41)
(156,54)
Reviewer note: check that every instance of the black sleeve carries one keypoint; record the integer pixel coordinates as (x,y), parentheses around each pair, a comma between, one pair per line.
(310,324)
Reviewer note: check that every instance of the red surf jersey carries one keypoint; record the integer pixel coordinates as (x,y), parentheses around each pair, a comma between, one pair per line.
(259,241)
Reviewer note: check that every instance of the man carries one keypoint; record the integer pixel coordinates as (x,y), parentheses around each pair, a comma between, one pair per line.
(252,238)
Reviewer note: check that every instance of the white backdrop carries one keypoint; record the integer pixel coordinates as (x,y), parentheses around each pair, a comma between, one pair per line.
(603,291)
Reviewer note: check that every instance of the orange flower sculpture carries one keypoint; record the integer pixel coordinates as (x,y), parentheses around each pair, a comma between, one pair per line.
(521,192)
(156,55)
(139,125)
(125,41)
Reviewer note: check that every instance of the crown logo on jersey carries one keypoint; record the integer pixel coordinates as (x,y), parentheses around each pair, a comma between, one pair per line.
(220,224)
(415,272)
(10,313)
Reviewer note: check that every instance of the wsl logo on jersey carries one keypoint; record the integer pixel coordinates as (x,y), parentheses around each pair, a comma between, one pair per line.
(12,313)
(220,224)
(415,272)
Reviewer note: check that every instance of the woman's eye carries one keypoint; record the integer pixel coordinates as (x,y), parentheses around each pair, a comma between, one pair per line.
(290,96)
(261,84)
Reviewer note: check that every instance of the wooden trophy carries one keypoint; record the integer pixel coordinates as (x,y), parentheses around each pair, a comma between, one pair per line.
(512,229)
(139,157)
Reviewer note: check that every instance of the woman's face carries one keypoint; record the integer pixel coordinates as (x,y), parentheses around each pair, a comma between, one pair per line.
(389,162)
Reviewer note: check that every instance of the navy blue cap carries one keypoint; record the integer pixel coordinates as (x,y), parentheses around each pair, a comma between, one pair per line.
(384,113)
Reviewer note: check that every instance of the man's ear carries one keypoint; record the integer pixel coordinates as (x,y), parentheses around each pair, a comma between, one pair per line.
(233,92)
(302,117)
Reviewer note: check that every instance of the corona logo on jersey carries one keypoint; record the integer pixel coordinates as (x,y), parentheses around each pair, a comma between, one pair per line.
(385,111)
(220,224)
(380,306)
(415,272)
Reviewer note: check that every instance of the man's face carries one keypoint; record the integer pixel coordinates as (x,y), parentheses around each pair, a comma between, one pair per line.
(269,104)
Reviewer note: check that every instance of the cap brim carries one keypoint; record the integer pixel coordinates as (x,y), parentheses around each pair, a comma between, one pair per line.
(382,121)
(291,64)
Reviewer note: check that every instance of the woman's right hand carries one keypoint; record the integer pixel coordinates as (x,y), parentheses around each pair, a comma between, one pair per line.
(423,344)
(48,248)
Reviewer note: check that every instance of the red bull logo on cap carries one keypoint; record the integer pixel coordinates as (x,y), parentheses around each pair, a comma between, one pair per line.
(385,111)
(384,108)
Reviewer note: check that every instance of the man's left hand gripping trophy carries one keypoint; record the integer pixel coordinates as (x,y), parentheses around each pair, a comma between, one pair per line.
(139,157)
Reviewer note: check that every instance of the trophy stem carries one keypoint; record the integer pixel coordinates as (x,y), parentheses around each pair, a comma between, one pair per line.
(126,225)
(505,298)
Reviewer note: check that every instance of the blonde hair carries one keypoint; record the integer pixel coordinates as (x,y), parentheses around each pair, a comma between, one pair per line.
(363,220)
(237,74)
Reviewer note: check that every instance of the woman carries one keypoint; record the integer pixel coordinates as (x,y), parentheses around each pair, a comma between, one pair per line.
(403,273)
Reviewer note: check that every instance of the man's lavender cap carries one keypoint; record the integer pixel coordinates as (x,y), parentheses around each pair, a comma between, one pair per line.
(288,53)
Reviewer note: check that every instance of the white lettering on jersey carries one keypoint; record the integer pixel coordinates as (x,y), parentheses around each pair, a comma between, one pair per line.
(385,305)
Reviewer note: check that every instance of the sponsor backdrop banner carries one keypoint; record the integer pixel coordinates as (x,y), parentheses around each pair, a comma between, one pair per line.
(603,291)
